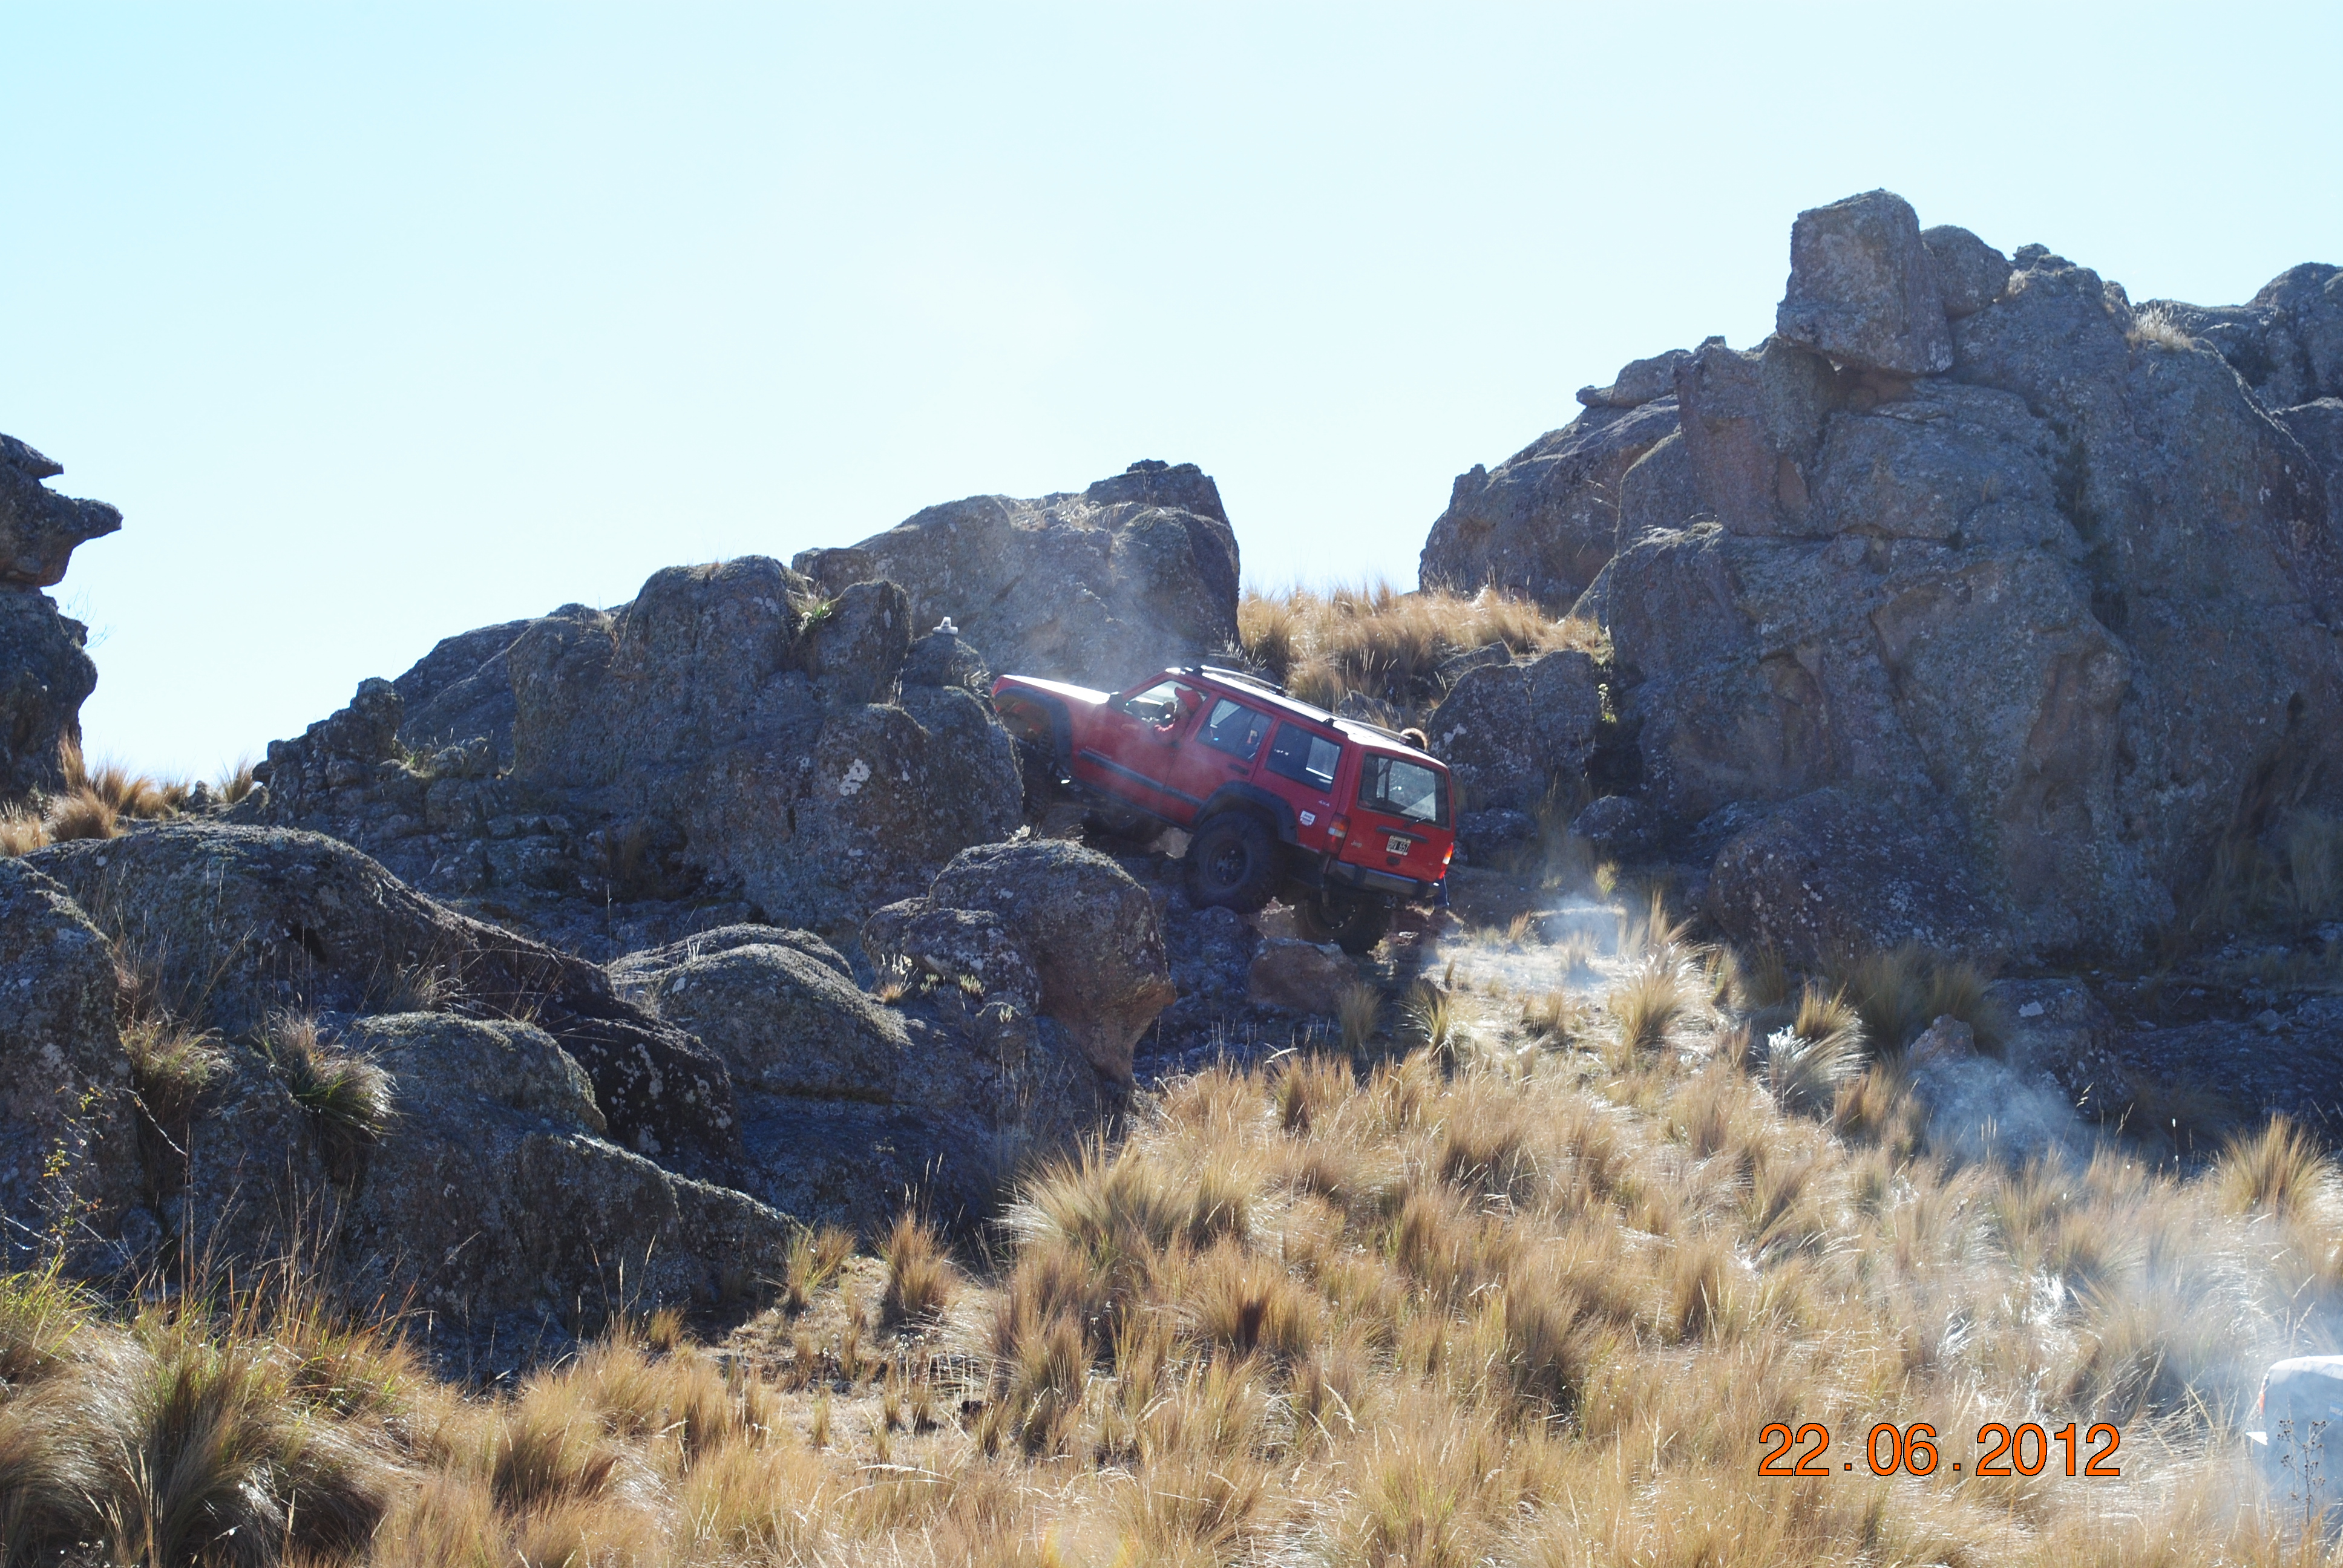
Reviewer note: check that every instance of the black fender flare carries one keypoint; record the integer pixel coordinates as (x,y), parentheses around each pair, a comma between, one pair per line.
(1256,801)
(1062,725)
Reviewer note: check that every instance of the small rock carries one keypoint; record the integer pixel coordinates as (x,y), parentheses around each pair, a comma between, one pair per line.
(2270,1019)
(1300,977)
(1946,1040)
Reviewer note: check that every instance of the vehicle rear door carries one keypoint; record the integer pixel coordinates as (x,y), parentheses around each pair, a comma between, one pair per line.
(1300,767)
(1225,749)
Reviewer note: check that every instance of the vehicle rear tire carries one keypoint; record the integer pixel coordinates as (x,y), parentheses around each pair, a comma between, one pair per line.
(1356,922)
(1232,863)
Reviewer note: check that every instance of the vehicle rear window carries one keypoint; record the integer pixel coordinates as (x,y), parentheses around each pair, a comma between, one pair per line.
(1235,729)
(1404,789)
(1304,757)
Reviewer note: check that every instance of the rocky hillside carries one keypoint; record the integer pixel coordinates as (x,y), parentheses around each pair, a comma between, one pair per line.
(1977,611)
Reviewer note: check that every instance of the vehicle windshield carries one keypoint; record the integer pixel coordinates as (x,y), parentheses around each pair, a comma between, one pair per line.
(1403,789)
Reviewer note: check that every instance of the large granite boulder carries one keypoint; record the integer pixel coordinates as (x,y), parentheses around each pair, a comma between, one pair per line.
(238,924)
(1543,524)
(495,1192)
(1510,731)
(2072,600)
(1102,587)
(1087,931)
(848,1104)
(1970,273)
(1862,289)
(68,1149)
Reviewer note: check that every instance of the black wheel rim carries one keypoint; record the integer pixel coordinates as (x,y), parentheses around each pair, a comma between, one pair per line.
(1225,865)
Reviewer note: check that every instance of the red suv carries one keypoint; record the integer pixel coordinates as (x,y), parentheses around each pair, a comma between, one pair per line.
(1341,818)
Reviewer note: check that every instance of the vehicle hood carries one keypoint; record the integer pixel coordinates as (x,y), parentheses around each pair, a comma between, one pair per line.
(1059,688)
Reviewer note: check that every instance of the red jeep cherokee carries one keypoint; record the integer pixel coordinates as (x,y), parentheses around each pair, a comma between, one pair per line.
(1341,818)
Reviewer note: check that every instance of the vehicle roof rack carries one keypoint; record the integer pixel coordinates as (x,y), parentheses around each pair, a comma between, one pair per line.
(1238,676)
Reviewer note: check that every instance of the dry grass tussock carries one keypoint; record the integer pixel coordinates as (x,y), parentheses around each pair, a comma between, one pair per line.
(1386,644)
(1527,1297)
(96,800)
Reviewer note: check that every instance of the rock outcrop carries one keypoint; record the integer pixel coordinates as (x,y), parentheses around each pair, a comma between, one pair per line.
(732,740)
(1101,586)
(1977,544)
(2286,343)
(1862,289)
(45,673)
(39,528)
(497,1193)
(1834,874)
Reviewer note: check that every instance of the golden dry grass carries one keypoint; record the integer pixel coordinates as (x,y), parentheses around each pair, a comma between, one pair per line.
(98,801)
(1385,644)
(1481,1305)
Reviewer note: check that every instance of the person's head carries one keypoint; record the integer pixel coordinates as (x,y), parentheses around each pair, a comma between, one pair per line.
(1416,738)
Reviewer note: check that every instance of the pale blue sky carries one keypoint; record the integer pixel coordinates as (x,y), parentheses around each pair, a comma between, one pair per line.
(382,322)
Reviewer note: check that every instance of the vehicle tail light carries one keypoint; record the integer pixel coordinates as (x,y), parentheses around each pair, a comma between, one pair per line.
(1339,829)
(1448,854)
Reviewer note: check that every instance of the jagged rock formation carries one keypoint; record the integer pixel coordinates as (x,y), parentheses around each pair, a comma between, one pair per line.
(45,674)
(1972,542)
(1102,587)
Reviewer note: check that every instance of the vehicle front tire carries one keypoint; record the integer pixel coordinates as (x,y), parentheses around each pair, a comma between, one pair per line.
(1356,922)
(1039,771)
(1232,863)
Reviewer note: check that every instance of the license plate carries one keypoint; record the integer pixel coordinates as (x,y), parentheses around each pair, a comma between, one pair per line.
(1400,843)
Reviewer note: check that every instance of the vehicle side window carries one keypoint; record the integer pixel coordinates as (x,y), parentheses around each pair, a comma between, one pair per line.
(1404,789)
(1159,705)
(1303,756)
(1235,729)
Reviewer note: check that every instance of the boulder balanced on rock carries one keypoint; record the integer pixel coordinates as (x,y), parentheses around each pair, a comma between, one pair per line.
(46,675)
